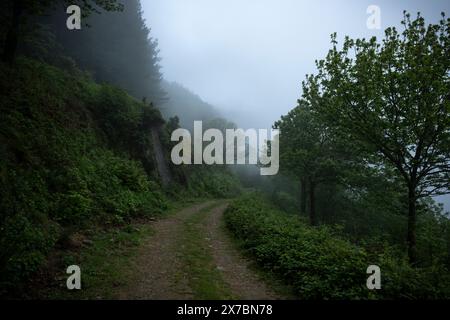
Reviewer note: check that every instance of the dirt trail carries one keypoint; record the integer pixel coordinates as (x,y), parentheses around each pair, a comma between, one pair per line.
(160,266)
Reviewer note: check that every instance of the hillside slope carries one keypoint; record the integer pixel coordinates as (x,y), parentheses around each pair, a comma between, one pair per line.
(72,153)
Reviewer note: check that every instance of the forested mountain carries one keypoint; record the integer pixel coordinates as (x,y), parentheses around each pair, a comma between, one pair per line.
(188,106)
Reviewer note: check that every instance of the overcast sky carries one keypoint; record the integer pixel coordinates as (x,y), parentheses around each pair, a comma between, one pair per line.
(249,57)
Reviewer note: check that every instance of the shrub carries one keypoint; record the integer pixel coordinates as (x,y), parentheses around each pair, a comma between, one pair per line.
(402,281)
(286,202)
(214,182)
(24,244)
(321,265)
(313,260)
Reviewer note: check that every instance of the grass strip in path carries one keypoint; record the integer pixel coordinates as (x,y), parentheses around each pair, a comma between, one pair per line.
(205,279)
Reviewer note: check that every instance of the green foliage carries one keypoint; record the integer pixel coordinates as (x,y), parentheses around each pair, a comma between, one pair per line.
(213,182)
(119,116)
(116,188)
(59,169)
(313,153)
(307,146)
(316,263)
(433,236)
(402,281)
(286,202)
(24,244)
(105,264)
(320,264)
(392,98)
(398,102)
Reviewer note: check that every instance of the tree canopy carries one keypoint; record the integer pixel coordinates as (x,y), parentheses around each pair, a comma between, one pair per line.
(393,97)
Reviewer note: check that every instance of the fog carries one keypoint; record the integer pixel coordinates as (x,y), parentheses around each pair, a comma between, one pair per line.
(248,58)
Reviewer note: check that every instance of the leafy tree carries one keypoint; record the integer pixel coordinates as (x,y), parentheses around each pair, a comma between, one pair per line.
(307,150)
(394,98)
(20,9)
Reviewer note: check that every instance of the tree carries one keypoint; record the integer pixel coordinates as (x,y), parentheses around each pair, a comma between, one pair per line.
(394,98)
(307,150)
(19,9)
(121,50)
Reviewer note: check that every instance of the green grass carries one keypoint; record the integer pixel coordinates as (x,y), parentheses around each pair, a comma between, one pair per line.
(105,264)
(204,278)
(180,204)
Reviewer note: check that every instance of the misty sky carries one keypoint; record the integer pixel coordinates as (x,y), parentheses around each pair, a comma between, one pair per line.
(249,57)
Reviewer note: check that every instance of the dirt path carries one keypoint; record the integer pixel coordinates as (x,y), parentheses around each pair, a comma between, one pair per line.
(160,263)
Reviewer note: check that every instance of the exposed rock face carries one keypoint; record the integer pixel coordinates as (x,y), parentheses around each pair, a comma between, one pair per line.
(161,164)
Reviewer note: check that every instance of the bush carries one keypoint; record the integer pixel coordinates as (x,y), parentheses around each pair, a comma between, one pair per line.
(213,181)
(321,265)
(402,281)
(286,202)
(25,244)
(316,263)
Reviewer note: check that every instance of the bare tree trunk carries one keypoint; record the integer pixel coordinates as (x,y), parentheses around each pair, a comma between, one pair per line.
(12,36)
(411,235)
(303,196)
(312,203)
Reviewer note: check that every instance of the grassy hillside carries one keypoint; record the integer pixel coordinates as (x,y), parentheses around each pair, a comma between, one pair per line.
(71,154)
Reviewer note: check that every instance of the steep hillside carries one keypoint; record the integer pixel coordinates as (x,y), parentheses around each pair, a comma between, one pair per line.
(72,153)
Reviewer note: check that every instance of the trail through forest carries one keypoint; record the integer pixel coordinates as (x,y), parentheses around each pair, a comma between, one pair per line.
(191,256)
